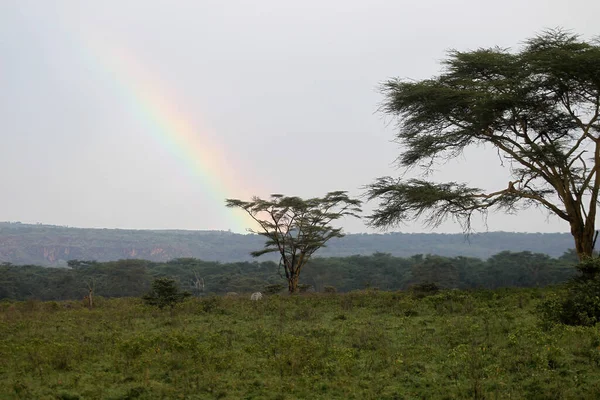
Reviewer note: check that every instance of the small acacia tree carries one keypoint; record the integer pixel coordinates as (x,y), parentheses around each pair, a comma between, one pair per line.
(296,228)
(165,293)
(538,108)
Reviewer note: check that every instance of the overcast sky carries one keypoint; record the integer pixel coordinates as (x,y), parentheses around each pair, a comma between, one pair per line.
(281,95)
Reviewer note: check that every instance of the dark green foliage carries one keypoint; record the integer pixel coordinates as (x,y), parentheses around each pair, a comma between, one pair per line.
(132,278)
(539,108)
(580,304)
(589,267)
(273,289)
(296,228)
(424,289)
(524,269)
(440,272)
(165,293)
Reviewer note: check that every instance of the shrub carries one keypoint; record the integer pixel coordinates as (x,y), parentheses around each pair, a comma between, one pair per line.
(273,289)
(581,304)
(52,306)
(589,267)
(329,289)
(424,289)
(211,304)
(550,310)
(165,293)
(303,288)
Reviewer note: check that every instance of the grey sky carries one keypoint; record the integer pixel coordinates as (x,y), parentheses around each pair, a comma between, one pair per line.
(286,89)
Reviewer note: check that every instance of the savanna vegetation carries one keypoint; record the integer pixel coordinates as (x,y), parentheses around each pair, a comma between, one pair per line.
(423,326)
(370,344)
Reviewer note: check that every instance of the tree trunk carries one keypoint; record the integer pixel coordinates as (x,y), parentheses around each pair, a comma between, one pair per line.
(293,283)
(584,241)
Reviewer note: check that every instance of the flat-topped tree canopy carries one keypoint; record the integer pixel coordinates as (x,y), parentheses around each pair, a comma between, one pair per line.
(296,228)
(537,107)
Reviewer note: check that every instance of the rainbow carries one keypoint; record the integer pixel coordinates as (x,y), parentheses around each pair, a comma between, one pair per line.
(201,158)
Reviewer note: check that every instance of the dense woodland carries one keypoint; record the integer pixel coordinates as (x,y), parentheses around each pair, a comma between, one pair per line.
(54,245)
(132,278)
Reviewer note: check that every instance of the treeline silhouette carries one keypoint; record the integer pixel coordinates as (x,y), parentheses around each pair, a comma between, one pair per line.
(132,278)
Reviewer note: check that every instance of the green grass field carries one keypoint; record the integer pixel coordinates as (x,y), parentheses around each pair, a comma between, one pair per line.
(360,345)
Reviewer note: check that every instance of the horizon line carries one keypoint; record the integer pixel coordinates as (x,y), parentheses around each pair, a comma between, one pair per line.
(250,233)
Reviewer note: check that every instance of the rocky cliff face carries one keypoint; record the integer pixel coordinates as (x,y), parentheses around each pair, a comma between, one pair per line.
(56,255)
(60,254)
(54,245)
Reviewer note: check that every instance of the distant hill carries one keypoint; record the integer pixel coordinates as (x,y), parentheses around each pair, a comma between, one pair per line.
(54,245)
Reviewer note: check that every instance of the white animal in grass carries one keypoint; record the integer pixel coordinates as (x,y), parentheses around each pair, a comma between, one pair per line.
(256,296)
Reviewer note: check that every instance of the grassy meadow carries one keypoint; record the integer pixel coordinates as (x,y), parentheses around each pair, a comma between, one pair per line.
(358,345)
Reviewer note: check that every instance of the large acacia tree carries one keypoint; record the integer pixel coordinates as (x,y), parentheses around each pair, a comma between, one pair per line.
(296,228)
(538,108)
